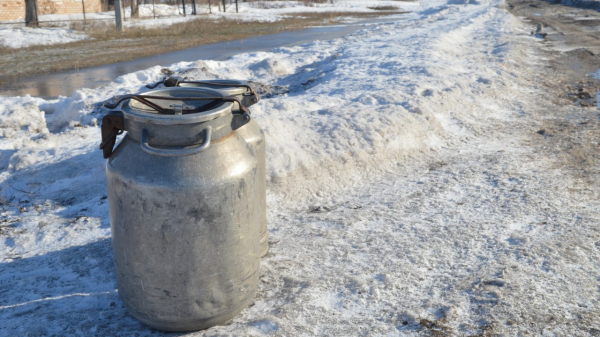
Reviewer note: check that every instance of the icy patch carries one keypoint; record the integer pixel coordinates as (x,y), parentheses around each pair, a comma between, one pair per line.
(265,326)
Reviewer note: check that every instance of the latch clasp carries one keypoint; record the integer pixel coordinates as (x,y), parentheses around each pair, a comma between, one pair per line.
(112,126)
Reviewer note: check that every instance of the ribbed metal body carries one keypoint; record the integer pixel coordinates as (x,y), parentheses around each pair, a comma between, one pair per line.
(183,213)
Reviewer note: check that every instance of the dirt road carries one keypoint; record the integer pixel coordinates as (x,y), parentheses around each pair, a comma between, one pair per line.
(569,126)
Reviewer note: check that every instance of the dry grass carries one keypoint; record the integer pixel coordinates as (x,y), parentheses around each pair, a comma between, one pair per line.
(219,30)
(109,46)
(384,8)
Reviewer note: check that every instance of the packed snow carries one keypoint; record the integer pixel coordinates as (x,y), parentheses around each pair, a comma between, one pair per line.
(161,15)
(19,37)
(404,197)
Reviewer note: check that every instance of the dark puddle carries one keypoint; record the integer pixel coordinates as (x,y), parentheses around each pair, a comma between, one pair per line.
(583,4)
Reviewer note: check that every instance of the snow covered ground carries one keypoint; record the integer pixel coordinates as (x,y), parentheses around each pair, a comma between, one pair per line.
(406,194)
(12,36)
(19,37)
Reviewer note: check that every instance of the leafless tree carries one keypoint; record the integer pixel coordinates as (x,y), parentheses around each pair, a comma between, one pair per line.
(135,8)
(31,13)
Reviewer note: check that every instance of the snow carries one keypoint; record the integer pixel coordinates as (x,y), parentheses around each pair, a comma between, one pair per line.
(17,37)
(12,36)
(403,193)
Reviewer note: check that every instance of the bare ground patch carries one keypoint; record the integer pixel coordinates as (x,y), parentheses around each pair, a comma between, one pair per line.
(570,127)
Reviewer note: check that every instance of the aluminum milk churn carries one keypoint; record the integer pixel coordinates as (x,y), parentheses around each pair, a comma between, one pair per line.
(251,132)
(183,208)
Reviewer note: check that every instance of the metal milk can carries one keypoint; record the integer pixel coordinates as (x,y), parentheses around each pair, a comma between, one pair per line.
(251,132)
(183,208)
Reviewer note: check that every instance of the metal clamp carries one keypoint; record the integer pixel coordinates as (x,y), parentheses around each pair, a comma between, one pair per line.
(112,126)
(177,108)
(176,152)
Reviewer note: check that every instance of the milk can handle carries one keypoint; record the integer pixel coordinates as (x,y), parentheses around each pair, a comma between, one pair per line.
(176,152)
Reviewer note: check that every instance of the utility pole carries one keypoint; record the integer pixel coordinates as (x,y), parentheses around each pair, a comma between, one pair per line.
(236,7)
(183,3)
(31,14)
(119,14)
(83,6)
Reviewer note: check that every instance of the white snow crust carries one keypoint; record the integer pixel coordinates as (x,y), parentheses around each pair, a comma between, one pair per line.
(401,197)
(20,37)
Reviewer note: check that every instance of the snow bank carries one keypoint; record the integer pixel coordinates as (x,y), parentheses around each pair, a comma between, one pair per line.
(21,117)
(25,37)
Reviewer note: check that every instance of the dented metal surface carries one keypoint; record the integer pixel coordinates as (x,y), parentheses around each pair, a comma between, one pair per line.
(183,213)
(251,132)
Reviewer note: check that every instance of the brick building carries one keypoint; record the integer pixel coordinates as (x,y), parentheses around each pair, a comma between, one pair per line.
(15,9)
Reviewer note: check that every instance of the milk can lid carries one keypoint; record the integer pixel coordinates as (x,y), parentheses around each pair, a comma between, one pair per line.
(241,90)
(176,104)
(177,101)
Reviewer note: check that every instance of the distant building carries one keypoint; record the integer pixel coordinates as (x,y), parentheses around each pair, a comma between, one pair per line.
(15,9)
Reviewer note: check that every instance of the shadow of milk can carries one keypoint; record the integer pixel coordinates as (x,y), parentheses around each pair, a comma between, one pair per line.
(183,208)
(251,132)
